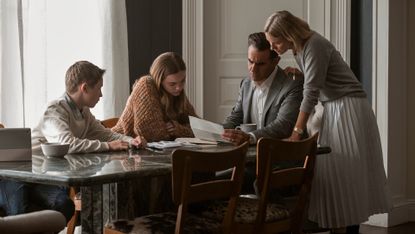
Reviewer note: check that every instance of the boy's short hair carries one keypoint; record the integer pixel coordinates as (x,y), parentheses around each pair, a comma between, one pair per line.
(80,72)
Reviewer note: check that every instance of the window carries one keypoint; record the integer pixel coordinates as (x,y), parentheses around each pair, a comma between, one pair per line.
(41,39)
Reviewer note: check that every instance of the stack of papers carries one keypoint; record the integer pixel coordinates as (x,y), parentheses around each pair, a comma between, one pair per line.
(164,144)
(169,144)
(206,131)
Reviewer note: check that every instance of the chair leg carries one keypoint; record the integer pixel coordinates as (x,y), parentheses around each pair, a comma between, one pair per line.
(70,227)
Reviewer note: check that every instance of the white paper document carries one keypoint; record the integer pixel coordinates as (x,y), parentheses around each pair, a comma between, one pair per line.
(195,141)
(164,144)
(206,130)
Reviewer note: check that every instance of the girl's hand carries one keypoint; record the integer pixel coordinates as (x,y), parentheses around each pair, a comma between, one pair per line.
(139,141)
(170,128)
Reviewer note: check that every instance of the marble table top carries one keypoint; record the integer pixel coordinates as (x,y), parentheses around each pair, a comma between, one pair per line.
(97,168)
(100,168)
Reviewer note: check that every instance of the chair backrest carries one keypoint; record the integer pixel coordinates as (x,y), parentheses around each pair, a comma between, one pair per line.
(271,152)
(109,123)
(185,191)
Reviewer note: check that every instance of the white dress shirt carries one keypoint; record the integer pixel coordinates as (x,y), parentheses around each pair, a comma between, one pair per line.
(259,97)
(258,102)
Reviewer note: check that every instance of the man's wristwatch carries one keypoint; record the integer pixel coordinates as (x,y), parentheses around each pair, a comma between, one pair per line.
(299,131)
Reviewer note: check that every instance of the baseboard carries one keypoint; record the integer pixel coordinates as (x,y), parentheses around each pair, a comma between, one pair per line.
(411,207)
(401,213)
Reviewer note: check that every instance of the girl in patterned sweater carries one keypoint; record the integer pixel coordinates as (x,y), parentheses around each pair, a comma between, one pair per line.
(158,108)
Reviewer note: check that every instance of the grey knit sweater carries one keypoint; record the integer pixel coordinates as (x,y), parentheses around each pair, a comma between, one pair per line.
(326,75)
(64,122)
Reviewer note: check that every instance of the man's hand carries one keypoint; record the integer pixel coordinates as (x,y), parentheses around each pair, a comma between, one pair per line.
(118,145)
(237,137)
(139,141)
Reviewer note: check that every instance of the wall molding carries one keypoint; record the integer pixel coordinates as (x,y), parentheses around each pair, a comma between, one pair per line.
(402,212)
(193,51)
(340,26)
(389,102)
(337,23)
(380,85)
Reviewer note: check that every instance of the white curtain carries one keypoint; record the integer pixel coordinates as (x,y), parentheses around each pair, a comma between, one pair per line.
(43,38)
(11,88)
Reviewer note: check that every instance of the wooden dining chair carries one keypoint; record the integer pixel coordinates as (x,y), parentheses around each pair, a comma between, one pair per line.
(257,214)
(73,194)
(74,191)
(188,190)
(44,221)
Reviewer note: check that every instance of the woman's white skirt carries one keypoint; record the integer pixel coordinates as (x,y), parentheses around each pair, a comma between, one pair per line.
(349,183)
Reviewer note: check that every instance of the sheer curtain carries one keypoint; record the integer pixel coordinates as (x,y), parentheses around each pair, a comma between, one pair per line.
(41,39)
(11,92)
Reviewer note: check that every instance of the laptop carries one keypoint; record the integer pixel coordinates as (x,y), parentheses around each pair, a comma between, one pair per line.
(15,144)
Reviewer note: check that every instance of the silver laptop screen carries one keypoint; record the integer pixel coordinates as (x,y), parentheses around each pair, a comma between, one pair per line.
(15,144)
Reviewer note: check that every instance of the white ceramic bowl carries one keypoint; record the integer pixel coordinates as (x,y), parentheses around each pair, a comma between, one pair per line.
(54,149)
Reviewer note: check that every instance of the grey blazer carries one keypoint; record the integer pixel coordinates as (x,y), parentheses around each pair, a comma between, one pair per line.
(281,106)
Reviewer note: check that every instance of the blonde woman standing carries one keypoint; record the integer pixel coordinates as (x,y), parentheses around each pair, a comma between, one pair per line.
(158,108)
(349,183)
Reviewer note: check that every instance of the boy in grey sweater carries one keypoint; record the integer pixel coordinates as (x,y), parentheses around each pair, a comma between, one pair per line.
(68,119)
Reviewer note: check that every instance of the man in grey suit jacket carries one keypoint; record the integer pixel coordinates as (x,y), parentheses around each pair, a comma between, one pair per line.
(268,97)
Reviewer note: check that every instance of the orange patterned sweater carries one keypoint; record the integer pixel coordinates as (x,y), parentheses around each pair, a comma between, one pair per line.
(143,115)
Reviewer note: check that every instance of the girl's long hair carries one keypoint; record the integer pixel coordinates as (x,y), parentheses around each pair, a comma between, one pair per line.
(166,64)
(286,25)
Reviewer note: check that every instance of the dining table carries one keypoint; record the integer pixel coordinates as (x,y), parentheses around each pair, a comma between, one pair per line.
(101,178)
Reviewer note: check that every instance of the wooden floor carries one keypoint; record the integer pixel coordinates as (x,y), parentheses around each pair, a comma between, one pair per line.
(408,228)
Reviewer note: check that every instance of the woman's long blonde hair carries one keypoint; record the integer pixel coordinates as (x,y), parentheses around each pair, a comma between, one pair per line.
(291,28)
(166,64)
